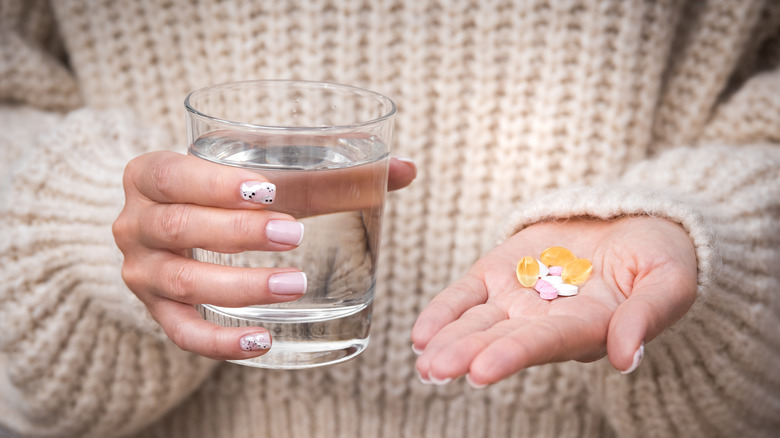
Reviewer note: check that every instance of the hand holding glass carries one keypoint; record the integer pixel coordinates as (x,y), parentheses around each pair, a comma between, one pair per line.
(325,147)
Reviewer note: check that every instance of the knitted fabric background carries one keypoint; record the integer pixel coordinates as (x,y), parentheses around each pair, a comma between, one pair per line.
(514,112)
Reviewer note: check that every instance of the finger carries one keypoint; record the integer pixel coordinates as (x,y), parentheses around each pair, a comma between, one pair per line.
(553,338)
(445,354)
(656,302)
(446,307)
(401,173)
(168,177)
(176,226)
(475,320)
(187,329)
(190,281)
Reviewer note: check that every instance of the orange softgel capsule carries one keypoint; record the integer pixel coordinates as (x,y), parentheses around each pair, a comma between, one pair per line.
(576,271)
(528,271)
(557,256)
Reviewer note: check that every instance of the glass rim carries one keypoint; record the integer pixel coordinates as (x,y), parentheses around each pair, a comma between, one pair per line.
(323,84)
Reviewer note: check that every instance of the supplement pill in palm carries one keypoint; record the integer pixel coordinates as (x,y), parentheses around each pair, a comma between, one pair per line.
(557,256)
(576,271)
(528,271)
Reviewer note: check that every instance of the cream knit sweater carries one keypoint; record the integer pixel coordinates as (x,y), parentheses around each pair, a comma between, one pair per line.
(514,111)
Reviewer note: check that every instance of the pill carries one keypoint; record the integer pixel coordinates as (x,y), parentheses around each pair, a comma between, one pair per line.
(553,279)
(555,270)
(543,269)
(576,271)
(566,290)
(527,271)
(557,256)
(541,285)
(548,293)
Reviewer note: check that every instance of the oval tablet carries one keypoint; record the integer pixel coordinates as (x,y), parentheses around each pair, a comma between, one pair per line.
(566,290)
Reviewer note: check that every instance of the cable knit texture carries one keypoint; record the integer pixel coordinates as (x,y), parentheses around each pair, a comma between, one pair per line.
(514,111)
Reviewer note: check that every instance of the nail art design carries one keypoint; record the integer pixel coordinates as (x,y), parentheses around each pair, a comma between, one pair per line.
(638,355)
(258,192)
(255,342)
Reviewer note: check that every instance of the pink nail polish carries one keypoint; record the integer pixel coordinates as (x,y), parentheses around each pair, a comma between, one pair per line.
(638,355)
(258,192)
(288,283)
(255,342)
(286,232)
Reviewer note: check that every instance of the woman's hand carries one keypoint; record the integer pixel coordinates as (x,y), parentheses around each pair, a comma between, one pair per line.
(488,327)
(175,202)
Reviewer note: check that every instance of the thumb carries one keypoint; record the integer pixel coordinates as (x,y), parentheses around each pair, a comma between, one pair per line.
(656,302)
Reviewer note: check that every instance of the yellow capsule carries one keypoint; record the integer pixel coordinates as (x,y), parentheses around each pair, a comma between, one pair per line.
(528,271)
(576,271)
(557,256)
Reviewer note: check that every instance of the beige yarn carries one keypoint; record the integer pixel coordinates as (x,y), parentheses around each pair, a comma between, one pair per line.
(514,111)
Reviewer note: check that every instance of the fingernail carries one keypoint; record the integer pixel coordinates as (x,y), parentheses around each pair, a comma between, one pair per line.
(258,192)
(288,283)
(416,350)
(255,342)
(638,355)
(286,232)
(423,380)
(472,384)
(440,382)
(410,162)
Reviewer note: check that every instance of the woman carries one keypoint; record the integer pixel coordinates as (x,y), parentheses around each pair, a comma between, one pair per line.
(642,135)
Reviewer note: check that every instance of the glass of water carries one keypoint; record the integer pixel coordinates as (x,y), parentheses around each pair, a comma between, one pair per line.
(326,148)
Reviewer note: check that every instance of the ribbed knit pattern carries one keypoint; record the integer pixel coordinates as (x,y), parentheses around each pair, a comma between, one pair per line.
(514,111)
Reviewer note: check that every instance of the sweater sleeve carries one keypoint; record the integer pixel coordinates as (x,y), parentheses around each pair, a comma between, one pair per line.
(714,372)
(79,353)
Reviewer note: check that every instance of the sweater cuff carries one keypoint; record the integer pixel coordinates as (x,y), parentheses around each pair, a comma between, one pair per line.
(608,202)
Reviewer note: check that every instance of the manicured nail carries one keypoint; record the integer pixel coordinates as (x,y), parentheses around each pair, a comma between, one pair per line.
(255,342)
(638,355)
(410,162)
(423,380)
(288,283)
(440,382)
(472,384)
(286,232)
(258,192)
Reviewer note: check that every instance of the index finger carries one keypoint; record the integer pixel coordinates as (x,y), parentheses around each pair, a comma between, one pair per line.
(169,177)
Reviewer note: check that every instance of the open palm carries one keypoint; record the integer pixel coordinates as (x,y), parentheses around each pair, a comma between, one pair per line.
(488,326)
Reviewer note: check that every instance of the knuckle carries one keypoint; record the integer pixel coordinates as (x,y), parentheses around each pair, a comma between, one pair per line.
(213,345)
(164,176)
(131,276)
(180,282)
(177,332)
(173,222)
(244,225)
(120,228)
(131,169)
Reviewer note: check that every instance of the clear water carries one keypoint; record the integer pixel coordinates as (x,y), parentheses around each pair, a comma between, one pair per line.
(336,187)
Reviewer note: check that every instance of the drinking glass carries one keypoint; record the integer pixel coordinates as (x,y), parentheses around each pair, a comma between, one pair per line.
(326,148)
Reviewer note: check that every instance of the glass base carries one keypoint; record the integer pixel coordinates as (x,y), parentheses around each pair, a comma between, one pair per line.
(300,341)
